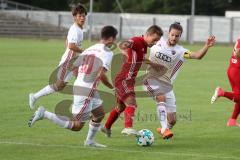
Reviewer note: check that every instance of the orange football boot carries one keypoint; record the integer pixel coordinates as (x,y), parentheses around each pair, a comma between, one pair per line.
(167,133)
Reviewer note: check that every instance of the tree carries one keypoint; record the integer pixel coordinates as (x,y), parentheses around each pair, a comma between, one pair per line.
(203,7)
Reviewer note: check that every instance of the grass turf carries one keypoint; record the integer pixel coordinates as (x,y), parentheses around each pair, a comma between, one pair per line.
(200,132)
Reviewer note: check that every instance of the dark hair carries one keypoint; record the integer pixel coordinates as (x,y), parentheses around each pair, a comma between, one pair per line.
(177,26)
(78,9)
(155,29)
(108,31)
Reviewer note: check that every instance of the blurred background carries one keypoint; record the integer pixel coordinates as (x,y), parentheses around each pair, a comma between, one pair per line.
(199,18)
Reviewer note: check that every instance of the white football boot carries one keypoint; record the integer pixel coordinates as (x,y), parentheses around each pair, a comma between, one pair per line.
(32,101)
(217,93)
(129,131)
(38,115)
(94,144)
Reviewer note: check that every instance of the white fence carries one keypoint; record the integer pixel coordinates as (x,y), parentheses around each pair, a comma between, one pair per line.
(225,29)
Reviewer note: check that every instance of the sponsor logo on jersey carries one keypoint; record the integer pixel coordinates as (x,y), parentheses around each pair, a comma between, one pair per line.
(163,57)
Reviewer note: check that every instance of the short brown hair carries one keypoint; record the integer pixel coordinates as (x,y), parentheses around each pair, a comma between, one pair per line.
(108,32)
(78,9)
(155,29)
(177,26)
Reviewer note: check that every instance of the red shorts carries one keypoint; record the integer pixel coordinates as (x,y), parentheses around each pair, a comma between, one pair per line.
(234,78)
(124,90)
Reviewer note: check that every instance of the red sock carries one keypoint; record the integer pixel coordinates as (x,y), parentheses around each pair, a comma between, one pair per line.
(113,116)
(129,115)
(236,111)
(232,96)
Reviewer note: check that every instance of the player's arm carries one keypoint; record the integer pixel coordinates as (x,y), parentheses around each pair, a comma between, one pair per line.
(106,82)
(102,76)
(75,48)
(237,53)
(72,40)
(236,50)
(124,46)
(66,43)
(202,52)
(75,62)
(157,67)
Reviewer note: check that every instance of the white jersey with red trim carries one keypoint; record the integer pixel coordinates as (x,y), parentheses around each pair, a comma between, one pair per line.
(171,57)
(75,35)
(89,63)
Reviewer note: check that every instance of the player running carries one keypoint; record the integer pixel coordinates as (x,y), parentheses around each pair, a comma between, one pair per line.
(159,84)
(74,41)
(234,79)
(93,64)
(135,50)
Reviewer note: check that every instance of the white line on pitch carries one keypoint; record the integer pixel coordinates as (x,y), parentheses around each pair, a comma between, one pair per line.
(120,150)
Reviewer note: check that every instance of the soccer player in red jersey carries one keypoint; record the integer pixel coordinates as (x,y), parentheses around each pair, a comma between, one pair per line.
(135,50)
(234,79)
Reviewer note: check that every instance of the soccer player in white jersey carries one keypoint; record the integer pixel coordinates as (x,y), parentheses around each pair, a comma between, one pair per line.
(92,65)
(159,83)
(73,44)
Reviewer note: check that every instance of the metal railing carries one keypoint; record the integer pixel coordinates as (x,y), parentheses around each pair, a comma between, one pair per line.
(11,5)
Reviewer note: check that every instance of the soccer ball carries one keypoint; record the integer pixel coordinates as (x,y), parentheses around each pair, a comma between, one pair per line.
(145,138)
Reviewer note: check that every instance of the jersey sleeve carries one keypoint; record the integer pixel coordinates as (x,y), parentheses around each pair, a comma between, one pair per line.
(72,36)
(107,60)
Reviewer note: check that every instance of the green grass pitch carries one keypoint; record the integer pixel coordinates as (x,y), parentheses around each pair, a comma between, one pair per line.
(200,133)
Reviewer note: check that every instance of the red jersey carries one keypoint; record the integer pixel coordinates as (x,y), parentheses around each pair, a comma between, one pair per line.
(234,62)
(136,55)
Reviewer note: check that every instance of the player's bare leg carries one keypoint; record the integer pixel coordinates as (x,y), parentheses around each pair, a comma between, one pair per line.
(131,105)
(113,116)
(172,119)
(49,89)
(94,125)
(162,116)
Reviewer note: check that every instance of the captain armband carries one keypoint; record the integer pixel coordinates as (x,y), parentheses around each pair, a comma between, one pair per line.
(187,54)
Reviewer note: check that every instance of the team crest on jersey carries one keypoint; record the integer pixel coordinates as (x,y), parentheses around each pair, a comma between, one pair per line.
(173,52)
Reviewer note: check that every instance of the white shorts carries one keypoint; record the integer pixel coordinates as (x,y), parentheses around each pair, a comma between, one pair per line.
(82,105)
(64,74)
(156,87)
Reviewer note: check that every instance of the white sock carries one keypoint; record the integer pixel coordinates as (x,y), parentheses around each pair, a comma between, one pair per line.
(93,128)
(43,92)
(61,121)
(162,115)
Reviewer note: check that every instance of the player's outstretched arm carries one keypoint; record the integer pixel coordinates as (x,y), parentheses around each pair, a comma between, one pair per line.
(75,48)
(201,53)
